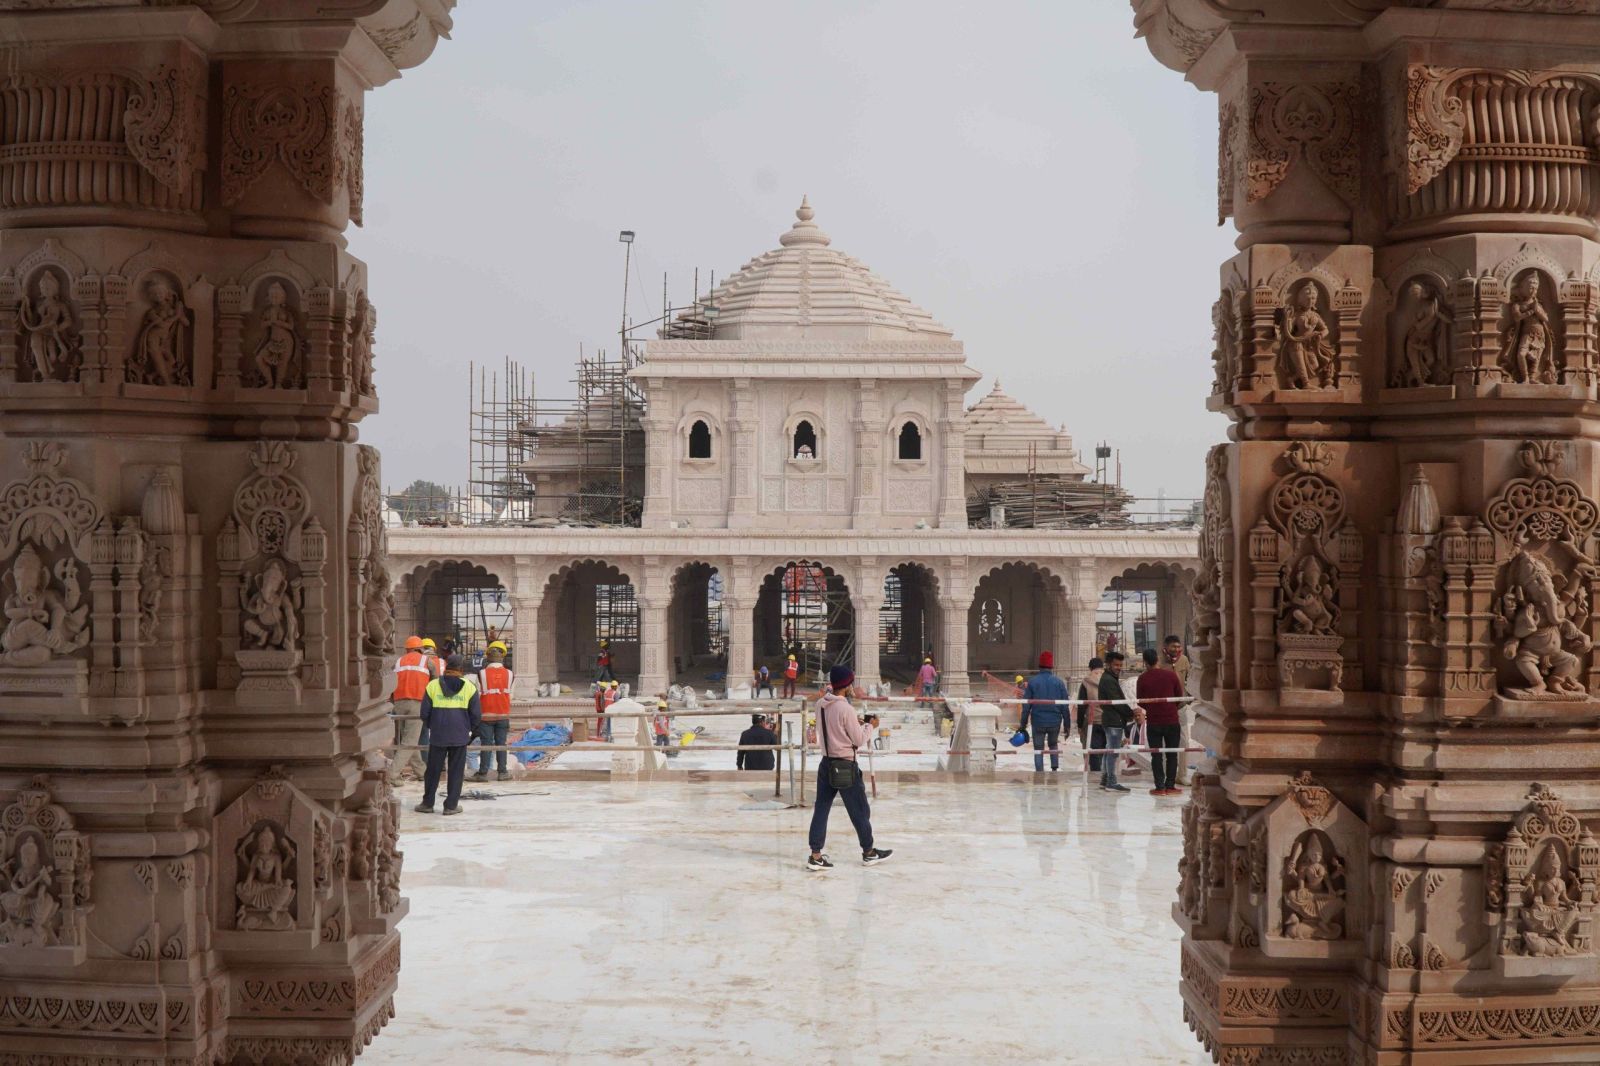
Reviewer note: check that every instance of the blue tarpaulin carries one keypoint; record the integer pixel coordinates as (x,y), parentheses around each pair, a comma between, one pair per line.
(544,735)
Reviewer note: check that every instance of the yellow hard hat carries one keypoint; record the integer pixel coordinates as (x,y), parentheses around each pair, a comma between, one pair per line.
(791,658)
(1021,678)
(498,645)
(927,660)
(662,704)
(605,643)
(413,643)
(427,642)
(613,684)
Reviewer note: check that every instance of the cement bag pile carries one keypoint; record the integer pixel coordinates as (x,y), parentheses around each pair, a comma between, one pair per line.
(542,737)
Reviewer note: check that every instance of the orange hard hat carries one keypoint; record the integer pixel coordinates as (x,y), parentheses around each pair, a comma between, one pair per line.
(413,643)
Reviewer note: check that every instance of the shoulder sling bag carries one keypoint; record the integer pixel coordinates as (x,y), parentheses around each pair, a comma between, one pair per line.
(841,772)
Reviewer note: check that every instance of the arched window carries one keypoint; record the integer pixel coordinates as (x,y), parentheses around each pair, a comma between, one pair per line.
(910,441)
(700,440)
(992,622)
(805,441)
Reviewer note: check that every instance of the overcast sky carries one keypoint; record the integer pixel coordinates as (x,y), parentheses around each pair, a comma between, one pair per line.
(1026,172)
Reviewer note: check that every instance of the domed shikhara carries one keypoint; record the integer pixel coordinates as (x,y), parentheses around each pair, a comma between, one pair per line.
(807,290)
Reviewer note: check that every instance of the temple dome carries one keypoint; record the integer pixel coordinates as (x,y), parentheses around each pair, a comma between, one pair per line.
(1004,437)
(806,290)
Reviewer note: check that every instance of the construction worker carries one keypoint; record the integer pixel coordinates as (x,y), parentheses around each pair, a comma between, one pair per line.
(602,663)
(600,688)
(411,677)
(763,681)
(791,673)
(613,692)
(452,708)
(494,686)
(928,678)
(662,723)
(435,667)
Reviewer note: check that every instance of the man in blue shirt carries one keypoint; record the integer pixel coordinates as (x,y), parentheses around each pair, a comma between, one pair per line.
(1041,696)
(452,711)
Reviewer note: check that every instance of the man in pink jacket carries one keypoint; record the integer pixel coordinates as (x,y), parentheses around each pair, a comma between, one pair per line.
(842,733)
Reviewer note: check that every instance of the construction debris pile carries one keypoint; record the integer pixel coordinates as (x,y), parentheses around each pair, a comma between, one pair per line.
(1050,502)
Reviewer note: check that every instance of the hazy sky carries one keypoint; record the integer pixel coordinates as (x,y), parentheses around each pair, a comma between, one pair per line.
(1024,171)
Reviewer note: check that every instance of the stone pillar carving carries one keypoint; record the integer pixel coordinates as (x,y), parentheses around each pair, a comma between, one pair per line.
(659,463)
(1390,611)
(740,611)
(655,596)
(867,607)
(746,462)
(869,428)
(192,709)
(953,656)
(953,471)
(527,600)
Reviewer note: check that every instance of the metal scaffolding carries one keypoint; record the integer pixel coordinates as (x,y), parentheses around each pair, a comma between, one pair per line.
(498,491)
(584,457)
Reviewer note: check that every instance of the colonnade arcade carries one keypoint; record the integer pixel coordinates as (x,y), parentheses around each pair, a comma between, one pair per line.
(684,619)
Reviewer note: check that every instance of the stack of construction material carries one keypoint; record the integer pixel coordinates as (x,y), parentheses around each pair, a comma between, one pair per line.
(1049,502)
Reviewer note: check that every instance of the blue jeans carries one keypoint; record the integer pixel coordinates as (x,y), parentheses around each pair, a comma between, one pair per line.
(1108,763)
(491,732)
(1047,734)
(855,805)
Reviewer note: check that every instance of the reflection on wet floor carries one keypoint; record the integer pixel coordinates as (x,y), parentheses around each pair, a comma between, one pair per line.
(580,921)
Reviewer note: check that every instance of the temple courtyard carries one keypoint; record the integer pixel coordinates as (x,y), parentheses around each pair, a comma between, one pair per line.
(573,920)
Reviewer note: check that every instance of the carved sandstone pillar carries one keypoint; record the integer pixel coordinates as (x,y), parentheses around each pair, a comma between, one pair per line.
(867,608)
(1394,616)
(189,721)
(655,596)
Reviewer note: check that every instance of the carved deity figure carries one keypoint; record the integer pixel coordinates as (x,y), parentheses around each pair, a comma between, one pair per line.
(269,609)
(28,906)
(266,883)
(1309,606)
(1225,357)
(361,348)
(1549,914)
(278,352)
(1425,351)
(40,621)
(1527,345)
(1306,355)
(52,339)
(1540,638)
(158,353)
(377,614)
(1313,897)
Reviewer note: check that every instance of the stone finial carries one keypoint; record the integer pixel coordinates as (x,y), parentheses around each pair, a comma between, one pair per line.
(805,232)
(1419,508)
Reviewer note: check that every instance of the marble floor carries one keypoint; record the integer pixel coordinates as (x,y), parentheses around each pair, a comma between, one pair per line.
(672,922)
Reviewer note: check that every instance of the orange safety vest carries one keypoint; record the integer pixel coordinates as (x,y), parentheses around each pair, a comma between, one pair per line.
(791,671)
(495,687)
(412,675)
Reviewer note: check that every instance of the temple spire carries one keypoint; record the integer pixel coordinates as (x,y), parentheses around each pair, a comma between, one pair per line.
(805,232)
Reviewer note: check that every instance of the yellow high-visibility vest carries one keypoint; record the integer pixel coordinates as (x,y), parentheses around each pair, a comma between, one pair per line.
(462,698)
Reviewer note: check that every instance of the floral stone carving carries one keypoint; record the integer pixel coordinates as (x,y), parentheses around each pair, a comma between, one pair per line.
(1545,525)
(1540,889)
(45,874)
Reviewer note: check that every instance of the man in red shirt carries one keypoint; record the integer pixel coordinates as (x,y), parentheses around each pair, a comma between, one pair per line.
(1156,690)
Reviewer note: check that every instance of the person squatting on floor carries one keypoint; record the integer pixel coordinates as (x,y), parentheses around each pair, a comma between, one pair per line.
(838,775)
(1042,692)
(452,710)
(1115,718)
(411,677)
(758,733)
(494,686)
(1156,688)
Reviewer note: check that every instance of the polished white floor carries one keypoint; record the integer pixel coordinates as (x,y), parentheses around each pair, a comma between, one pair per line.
(590,922)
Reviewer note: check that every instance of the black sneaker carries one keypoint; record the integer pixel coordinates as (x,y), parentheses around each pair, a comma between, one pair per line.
(423,808)
(1116,788)
(818,862)
(875,856)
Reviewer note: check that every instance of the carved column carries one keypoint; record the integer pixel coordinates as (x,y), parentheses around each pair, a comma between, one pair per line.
(869,428)
(952,459)
(527,598)
(189,723)
(659,463)
(740,612)
(867,608)
(1392,857)
(655,596)
(746,463)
